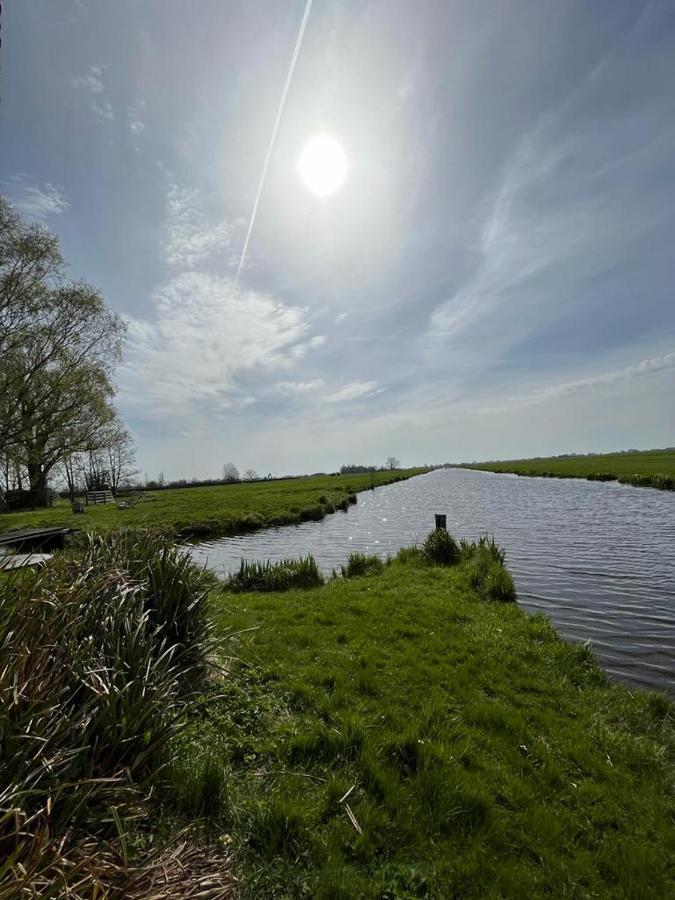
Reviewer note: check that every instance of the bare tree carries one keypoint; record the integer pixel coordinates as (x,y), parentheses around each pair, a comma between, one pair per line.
(250,475)
(230,472)
(120,454)
(392,463)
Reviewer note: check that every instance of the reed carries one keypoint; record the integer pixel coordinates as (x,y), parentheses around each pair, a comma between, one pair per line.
(93,656)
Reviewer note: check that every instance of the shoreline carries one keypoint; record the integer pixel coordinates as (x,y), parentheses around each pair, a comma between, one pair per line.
(221,511)
(657,481)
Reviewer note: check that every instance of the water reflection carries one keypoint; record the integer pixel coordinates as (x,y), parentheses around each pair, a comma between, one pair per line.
(596,557)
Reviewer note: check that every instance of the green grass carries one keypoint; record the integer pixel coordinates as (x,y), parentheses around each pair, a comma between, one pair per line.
(648,468)
(396,736)
(220,509)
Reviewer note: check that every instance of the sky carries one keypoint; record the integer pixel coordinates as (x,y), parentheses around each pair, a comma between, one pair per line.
(494,278)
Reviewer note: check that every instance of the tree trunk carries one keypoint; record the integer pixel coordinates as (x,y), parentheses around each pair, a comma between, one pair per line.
(39,494)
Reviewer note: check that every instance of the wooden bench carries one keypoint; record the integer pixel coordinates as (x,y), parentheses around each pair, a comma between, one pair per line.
(99,497)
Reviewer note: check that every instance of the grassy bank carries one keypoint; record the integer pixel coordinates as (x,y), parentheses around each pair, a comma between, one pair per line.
(649,468)
(398,735)
(216,510)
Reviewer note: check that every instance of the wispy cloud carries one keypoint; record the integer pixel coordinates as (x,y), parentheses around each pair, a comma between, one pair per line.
(572,197)
(208,337)
(92,85)
(190,239)
(606,379)
(298,388)
(35,201)
(355,390)
(519,238)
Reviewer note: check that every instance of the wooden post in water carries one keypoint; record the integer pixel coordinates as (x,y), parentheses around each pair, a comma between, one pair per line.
(441,521)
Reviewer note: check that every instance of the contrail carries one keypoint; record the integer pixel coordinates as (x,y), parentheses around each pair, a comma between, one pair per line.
(270,148)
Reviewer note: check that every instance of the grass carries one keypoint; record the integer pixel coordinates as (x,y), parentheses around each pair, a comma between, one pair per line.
(648,468)
(395,736)
(216,510)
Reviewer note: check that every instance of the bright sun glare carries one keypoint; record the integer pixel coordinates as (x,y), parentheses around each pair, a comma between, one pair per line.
(323,165)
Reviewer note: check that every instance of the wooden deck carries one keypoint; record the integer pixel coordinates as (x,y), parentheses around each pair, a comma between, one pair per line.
(34,537)
(23,560)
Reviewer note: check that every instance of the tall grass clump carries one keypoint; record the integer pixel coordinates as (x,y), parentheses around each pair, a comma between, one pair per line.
(441,548)
(92,653)
(174,590)
(361,564)
(488,575)
(282,576)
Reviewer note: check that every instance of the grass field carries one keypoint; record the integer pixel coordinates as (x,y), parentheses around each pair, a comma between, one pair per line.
(220,509)
(648,468)
(394,736)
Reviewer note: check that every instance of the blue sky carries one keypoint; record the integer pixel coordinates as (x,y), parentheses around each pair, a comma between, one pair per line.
(495,278)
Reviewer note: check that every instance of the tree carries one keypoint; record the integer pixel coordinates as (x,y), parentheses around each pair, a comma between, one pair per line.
(108,463)
(392,463)
(120,453)
(230,472)
(250,475)
(59,344)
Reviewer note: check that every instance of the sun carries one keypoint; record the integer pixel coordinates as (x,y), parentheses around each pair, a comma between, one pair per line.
(322,165)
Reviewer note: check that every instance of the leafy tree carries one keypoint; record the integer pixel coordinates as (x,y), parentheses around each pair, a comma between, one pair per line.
(59,344)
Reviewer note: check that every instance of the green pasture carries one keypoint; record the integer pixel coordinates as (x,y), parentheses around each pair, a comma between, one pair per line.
(396,736)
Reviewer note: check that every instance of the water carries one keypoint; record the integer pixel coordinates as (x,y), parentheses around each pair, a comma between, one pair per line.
(598,558)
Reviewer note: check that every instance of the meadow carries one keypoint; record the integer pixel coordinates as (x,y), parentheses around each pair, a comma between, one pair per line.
(647,468)
(215,510)
(398,735)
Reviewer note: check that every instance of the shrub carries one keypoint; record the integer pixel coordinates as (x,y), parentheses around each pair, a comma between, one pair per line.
(281,576)
(361,564)
(311,514)
(441,548)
